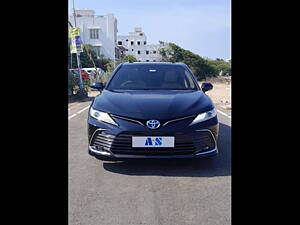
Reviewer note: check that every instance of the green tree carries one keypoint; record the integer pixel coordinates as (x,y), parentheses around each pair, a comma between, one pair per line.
(103,62)
(201,67)
(88,58)
(129,58)
(109,66)
(221,66)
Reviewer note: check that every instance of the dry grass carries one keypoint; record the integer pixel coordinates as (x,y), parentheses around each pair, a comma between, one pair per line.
(219,79)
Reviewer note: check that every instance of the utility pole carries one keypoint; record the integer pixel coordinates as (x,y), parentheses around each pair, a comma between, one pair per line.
(69,43)
(81,87)
(114,57)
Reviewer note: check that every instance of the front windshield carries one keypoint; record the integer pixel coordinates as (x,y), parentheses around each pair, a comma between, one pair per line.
(152,77)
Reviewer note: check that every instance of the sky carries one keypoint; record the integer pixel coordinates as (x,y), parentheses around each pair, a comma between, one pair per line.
(201,26)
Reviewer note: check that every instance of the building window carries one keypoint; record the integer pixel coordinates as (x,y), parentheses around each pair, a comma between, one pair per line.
(147,60)
(141,34)
(131,42)
(145,42)
(119,42)
(154,52)
(154,60)
(147,52)
(132,50)
(126,39)
(94,33)
(139,52)
(138,42)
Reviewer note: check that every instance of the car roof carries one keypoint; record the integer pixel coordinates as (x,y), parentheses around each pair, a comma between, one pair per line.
(152,63)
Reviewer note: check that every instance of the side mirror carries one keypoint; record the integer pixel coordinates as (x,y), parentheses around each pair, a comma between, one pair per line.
(98,85)
(206,87)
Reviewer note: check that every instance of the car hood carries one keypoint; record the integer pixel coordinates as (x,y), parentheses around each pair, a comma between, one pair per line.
(153,104)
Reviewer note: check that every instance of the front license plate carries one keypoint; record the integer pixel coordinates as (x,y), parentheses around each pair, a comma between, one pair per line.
(153,142)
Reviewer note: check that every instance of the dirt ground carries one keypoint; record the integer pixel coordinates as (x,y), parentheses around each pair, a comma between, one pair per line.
(220,94)
(93,93)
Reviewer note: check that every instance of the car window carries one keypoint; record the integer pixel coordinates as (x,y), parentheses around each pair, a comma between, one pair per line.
(189,79)
(152,77)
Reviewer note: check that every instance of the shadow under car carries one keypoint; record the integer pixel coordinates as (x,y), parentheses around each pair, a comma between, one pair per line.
(219,165)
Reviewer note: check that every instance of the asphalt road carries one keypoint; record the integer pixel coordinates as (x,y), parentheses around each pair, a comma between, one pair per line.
(167,192)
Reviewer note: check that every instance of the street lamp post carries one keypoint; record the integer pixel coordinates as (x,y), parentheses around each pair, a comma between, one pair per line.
(82,92)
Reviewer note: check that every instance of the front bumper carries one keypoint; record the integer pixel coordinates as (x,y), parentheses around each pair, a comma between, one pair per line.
(103,155)
(108,142)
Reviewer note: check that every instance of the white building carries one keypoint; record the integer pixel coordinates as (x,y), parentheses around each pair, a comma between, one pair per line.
(135,43)
(98,31)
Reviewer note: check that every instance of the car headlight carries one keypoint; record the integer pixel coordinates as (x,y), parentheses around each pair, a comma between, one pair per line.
(102,116)
(205,116)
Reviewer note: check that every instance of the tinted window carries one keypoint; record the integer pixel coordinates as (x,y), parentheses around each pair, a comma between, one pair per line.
(152,77)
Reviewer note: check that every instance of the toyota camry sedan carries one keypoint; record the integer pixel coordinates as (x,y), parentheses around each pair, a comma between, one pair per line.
(152,110)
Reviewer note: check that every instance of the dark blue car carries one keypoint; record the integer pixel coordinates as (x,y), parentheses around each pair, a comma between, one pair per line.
(152,110)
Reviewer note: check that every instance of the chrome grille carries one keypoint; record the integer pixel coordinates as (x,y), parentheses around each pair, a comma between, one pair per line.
(184,144)
(143,122)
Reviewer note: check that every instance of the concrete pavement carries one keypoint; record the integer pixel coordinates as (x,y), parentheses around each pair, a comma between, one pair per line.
(148,192)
